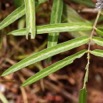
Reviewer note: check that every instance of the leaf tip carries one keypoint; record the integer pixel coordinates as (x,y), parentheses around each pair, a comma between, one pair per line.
(24,84)
(3,74)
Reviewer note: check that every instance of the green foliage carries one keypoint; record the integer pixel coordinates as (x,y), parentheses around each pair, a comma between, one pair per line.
(71,17)
(54,67)
(98,40)
(35,57)
(15,15)
(56,15)
(83,95)
(18,2)
(30,18)
(86,2)
(100,32)
(97,52)
(51,28)
(77,26)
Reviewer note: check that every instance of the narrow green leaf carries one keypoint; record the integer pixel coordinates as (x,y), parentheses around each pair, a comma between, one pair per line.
(15,15)
(83,96)
(97,52)
(99,32)
(61,27)
(41,1)
(86,2)
(35,57)
(98,40)
(18,2)
(72,16)
(56,15)
(30,18)
(54,67)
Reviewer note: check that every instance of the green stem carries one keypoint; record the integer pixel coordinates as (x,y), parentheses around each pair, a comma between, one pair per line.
(89,47)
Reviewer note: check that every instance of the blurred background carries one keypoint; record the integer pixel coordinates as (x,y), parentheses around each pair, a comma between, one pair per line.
(62,86)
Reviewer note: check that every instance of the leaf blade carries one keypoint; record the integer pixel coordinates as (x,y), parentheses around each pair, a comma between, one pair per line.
(35,57)
(56,16)
(72,16)
(87,2)
(53,68)
(41,1)
(99,32)
(97,52)
(30,18)
(98,40)
(61,27)
(15,15)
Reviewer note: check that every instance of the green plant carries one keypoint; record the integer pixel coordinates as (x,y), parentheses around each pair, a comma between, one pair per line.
(80,27)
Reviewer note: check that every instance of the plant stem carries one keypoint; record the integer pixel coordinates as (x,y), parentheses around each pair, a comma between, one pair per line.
(89,47)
